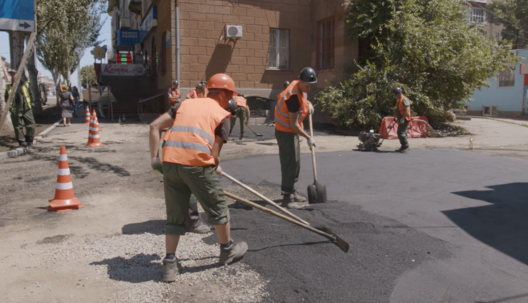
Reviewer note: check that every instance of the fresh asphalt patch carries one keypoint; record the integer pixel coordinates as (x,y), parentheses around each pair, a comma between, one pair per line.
(301,266)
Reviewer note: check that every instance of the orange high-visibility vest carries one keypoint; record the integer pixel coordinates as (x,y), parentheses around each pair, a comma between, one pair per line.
(282,118)
(241,101)
(191,138)
(174,93)
(402,108)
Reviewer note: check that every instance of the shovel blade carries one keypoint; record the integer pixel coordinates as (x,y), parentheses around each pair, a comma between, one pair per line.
(316,193)
(342,244)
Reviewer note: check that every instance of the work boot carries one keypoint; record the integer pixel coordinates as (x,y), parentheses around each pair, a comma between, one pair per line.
(293,200)
(22,142)
(403,149)
(171,267)
(29,140)
(241,136)
(199,229)
(234,251)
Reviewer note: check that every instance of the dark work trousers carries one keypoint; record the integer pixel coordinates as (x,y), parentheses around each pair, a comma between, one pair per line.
(290,159)
(402,133)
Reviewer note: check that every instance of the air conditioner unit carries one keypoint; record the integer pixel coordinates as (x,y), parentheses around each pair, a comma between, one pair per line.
(137,48)
(234,31)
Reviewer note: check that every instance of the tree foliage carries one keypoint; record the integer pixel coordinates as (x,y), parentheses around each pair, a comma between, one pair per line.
(65,29)
(88,74)
(513,14)
(427,47)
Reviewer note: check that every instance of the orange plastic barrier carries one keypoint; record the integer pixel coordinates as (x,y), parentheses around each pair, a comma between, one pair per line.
(416,129)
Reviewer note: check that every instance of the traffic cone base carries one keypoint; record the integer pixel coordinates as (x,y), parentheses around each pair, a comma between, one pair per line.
(64,199)
(64,205)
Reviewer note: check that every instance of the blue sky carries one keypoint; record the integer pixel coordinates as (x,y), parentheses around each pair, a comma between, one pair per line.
(87,59)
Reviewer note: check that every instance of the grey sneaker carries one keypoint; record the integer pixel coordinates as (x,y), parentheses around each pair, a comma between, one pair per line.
(235,251)
(288,201)
(200,229)
(297,197)
(171,267)
(403,149)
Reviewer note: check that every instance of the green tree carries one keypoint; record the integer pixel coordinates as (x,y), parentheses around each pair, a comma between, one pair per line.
(69,27)
(427,47)
(88,75)
(513,14)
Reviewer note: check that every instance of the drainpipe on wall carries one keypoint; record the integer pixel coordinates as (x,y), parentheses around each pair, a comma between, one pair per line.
(177,42)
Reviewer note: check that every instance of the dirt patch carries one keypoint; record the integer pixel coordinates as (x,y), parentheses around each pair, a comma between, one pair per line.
(44,120)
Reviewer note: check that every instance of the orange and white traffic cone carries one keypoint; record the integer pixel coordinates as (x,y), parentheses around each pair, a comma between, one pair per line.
(93,133)
(96,121)
(64,199)
(87,117)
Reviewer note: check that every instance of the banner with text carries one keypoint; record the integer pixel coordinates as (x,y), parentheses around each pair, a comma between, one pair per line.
(123,70)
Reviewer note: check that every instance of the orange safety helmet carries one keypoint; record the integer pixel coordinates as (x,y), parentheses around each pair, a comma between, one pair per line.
(221,81)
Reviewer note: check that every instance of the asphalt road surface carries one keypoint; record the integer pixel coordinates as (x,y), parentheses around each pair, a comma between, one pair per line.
(428,226)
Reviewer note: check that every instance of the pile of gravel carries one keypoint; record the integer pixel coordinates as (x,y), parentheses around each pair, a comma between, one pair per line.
(132,264)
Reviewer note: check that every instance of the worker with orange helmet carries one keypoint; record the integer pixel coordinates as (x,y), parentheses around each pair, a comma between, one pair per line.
(291,110)
(197,131)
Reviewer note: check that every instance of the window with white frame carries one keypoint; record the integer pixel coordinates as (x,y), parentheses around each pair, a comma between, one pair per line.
(507,78)
(478,15)
(279,48)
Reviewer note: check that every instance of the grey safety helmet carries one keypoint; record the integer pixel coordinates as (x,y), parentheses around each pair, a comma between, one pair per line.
(397,90)
(174,82)
(308,75)
(231,107)
(286,84)
(199,86)
(240,95)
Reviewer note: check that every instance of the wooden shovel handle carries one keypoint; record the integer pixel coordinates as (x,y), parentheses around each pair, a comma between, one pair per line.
(313,152)
(276,214)
(256,193)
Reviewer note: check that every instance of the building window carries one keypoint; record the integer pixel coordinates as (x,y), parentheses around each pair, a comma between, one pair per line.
(279,48)
(325,47)
(478,15)
(163,63)
(484,34)
(154,59)
(497,37)
(507,78)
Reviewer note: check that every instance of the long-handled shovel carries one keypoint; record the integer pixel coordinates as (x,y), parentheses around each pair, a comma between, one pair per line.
(256,134)
(316,191)
(256,193)
(325,232)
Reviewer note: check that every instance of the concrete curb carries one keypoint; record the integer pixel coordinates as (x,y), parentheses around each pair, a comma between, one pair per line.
(20,151)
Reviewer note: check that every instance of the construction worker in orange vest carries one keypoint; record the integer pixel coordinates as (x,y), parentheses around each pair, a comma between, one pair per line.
(291,110)
(198,92)
(174,93)
(242,112)
(402,114)
(197,131)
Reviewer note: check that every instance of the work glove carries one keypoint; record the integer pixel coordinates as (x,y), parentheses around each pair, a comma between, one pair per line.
(156,164)
(311,109)
(311,143)
(219,171)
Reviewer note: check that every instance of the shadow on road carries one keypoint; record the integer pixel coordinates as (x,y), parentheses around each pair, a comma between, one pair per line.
(140,268)
(504,299)
(501,225)
(155,227)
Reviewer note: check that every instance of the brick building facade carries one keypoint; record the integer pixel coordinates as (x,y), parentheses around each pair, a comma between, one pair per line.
(188,41)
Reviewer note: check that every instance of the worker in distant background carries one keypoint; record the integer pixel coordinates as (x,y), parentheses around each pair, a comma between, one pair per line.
(197,132)
(174,93)
(43,90)
(402,114)
(21,110)
(198,92)
(291,110)
(242,112)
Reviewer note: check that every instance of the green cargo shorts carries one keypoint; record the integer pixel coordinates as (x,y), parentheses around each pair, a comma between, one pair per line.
(180,181)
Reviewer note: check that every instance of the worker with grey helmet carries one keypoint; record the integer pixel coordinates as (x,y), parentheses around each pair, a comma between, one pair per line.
(402,114)
(286,83)
(292,108)
(21,110)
